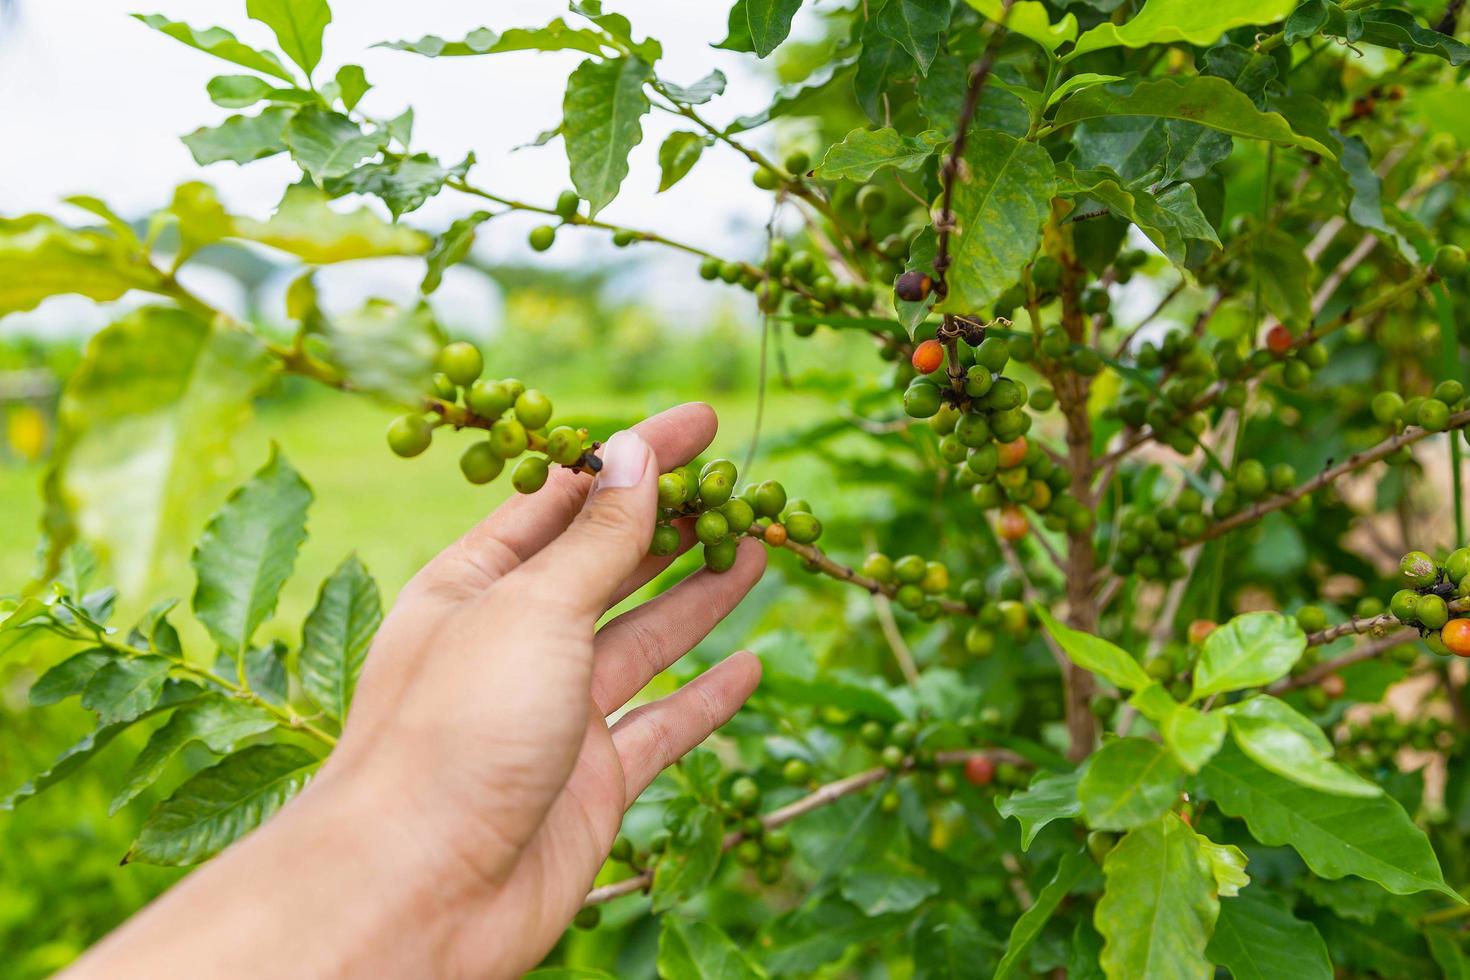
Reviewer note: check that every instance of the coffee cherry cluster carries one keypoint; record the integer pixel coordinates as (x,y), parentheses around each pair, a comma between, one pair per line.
(721,516)
(795,279)
(1148,542)
(763,849)
(516,419)
(1424,601)
(917,584)
(1432,412)
(981,418)
(1252,481)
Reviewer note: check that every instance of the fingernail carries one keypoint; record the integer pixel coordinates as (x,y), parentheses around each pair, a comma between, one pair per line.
(624,460)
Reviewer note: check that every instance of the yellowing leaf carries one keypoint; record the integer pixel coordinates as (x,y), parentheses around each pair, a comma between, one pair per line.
(307,227)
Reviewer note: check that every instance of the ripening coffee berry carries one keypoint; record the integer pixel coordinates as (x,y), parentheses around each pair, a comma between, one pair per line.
(1011,454)
(1012,524)
(530,474)
(409,435)
(928,356)
(480,464)
(671,488)
(1456,637)
(1333,686)
(979,770)
(461,362)
(775,534)
(542,237)
(802,527)
(508,437)
(979,641)
(721,557)
(770,499)
(666,540)
(1199,629)
(912,286)
(711,527)
(1417,570)
(1278,339)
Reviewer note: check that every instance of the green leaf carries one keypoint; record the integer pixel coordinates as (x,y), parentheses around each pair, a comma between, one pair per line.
(917,26)
(1031,20)
(677,155)
(1336,835)
(403,183)
(220,43)
(175,693)
(1049,797)
(617,26)
(999,208)
(1191,735)
(216,722)
(737,32)
(769,22)
(1448,954)
(863,152)
(125,688)
(700,92)
(1284,275)
(698,951)
(691,859)
(603,107)
(1077,83)
(41,258)
(221,804)
(1227,864)
(336,636)
(1365,206)
(1163,227)
(385,349)
(1278,738)
(1073,866)
(881,890)
(451,248)
(922,252)
(237,91)
(202,219)
(68,678)
(298,25)
(555,36)
(1395,29)
(792,99)
(1094,653)
(880,62)
(1251,650)
(949,941)
(1257,938)
(1165,21)
(247,553)
(123,404)
(327,144)
(352,85)
(1201,99)
(1305,21)
(1128,782)
(1159,906)
(306,226)
(241,139)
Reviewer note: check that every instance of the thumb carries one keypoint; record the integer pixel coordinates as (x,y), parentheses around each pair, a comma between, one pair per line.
(584,567)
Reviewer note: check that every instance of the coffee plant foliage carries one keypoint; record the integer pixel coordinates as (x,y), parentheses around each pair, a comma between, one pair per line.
(1166,307)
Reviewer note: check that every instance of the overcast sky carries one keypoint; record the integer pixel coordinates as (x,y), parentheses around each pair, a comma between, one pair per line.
(95,103)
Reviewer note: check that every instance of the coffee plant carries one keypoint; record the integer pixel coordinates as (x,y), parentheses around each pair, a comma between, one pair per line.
(1169,372)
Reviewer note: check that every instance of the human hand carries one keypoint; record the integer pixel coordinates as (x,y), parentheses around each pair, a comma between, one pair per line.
(478,787)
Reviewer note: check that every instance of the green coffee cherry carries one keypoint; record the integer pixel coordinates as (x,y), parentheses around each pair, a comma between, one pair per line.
(745,795)
(873,734)
(409,435)
(778,842)
(802,527)
(533,409)
(587,917)
(770,499)
(922,399)
(672,487)
(709,268)
(1417,570)
(461,362)
(796,772)
(1432,611)
(979,641)
(1433,415)
(566,205)
(444,388)
(739,515)
(542,237)
(666,540)
(564,445)
(1405,605)
(892,757)
(480,464)
(1457,565)
(1449,261)
(508,437)
(715,488)
(720,557)
(879,567)
(871,200)
(910,569)
(711,527)
(530,474)
(1311,619)
(489,399)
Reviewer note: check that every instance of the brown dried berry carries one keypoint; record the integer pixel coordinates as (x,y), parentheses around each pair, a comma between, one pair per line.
(913,286)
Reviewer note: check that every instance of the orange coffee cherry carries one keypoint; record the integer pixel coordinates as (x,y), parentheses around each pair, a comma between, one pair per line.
(1456,636)
(928,357)
(1012,453)
(1013,525)
(1278,339)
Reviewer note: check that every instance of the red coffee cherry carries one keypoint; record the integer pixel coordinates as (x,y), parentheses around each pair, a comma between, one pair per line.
(1278,340)
(928,357)
(979,770)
